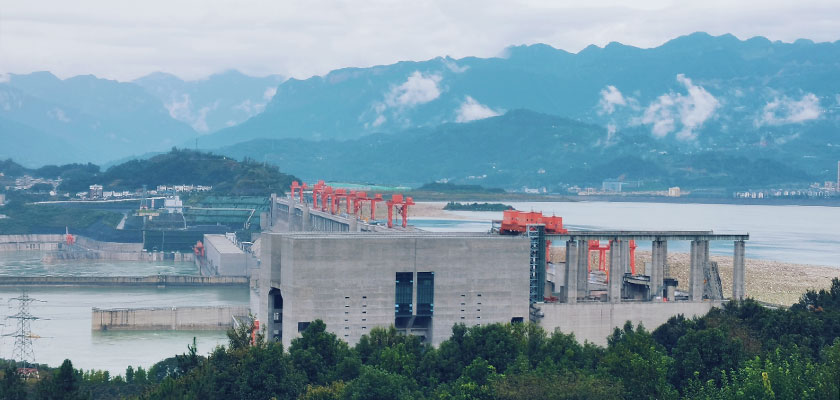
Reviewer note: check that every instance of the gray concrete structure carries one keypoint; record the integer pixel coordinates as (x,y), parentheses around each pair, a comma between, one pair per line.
(348,281)
(166,318)
(572,270)
(594,322)
(738,273)
(659,258)
(583,269)
(224,257)
(616,273)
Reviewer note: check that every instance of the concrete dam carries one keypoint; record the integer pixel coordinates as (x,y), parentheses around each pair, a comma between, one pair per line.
(354,275)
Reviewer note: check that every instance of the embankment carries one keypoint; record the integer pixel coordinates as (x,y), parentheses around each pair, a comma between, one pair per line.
(166,318)
(86,249)
(154,280)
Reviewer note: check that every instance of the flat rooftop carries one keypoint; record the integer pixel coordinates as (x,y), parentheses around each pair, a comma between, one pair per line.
(571,235)
(222,244)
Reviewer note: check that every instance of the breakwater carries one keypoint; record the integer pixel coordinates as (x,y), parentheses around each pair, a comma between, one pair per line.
(166,318)
(154,280)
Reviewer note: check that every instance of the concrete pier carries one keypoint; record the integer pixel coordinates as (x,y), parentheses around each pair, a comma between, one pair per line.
(738,273)
(583,268)
(697,276)
(616,272)
(166,318)
(572,270)
(659,258)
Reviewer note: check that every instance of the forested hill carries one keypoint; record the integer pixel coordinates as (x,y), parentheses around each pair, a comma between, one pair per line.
(178,167)
(527,148)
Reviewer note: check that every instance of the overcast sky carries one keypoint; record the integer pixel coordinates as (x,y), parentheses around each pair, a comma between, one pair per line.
(124,40)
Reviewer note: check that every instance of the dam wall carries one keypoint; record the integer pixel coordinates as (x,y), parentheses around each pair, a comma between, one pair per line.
(154,280)
(166,318)
(86,249)
(30,242)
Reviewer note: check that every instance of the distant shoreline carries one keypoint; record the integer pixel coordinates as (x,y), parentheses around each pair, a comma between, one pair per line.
(550,198)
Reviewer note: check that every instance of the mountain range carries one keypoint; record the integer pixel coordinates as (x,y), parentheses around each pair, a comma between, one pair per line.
(44,119)
(699,110)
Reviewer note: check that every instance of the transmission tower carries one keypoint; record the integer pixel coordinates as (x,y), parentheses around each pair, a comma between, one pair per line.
(23,352)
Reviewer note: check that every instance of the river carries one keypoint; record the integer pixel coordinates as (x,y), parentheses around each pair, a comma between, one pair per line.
(64,326)
(794,234)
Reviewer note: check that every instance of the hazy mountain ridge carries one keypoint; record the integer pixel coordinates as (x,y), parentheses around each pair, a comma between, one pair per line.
(216,102)
(713,91)
(44,119)
(519,148)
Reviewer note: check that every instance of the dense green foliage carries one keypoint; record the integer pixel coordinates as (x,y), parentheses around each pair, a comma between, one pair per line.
(34,218)
(177,167)
(742,351)
(453,206)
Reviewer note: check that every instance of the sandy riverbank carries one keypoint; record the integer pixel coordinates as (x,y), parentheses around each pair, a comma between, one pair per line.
(770,281)
(432,210)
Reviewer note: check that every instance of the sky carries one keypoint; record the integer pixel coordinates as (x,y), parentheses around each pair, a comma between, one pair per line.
(193,39)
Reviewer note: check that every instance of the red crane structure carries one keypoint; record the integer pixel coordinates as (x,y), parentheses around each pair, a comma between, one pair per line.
(595,245)
(298,188)
(401,203)
(516,222)
(328,199)
(375,199)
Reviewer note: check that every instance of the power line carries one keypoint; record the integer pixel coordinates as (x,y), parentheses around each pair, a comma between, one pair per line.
(23,351)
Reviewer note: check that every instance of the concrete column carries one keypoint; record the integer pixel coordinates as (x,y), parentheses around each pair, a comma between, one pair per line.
(572,263)
(616,273)
(659,257)
(272,209)
(697,278)
(291,216)
(583,268)
(304,223)
(738,272)
(624,253)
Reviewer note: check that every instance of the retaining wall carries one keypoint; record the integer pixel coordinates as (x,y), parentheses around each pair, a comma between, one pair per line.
(154,280)
(168,318)
(594,322)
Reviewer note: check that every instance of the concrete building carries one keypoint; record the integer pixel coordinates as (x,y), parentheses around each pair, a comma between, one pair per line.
(354,277)
(223,257)
(421,283)
(674,191)
(95,192)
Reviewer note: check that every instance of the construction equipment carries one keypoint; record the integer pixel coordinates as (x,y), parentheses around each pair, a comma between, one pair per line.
(516,222)
(401,205)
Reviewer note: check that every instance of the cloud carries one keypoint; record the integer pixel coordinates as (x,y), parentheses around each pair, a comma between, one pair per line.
(58,114)
(471,110)
(687,111)
(250,107)
(452,66)
(785,110)
(417,89)
(269,93)
(610,98)
(182,110)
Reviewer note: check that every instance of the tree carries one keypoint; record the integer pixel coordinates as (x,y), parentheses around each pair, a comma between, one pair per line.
(320,354)
(12,386)
(639,362)
(375,384)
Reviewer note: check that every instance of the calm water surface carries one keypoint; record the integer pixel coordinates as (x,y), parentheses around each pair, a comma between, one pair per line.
(796,234)
(65,329)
